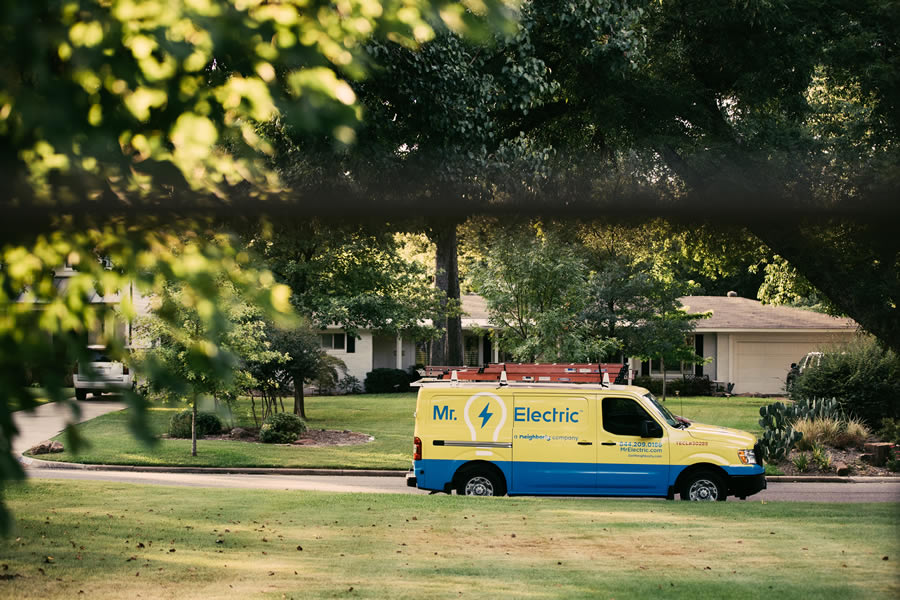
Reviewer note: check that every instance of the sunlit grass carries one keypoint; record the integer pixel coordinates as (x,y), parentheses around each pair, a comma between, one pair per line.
(115,541)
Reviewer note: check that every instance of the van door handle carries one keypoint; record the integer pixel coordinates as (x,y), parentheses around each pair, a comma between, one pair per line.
(607,443)
(585,443)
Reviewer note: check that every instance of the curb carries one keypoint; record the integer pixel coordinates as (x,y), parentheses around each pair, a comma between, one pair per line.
(828,479)
(35,463)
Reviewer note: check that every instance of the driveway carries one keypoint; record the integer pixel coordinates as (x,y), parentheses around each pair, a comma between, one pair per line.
(49,419)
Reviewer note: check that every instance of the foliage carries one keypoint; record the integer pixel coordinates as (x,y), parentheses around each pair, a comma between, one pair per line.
(820,457)
(346,273)
(169,92)
(890,431)
(535,286)
(144,258)
(329,372)
(180,424)
(383,381)
(832,432)
(778,423)
(801,462)
(281,428)
(350,385)
(893,461)
(864,377)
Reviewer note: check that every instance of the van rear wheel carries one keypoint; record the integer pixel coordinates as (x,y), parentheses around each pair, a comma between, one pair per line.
(480,481)
(704,486)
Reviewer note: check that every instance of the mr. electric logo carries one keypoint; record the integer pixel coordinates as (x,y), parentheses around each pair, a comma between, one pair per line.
(483,412)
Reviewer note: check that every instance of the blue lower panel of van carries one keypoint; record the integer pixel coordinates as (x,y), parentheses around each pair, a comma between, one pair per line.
(553,478)
(556,478)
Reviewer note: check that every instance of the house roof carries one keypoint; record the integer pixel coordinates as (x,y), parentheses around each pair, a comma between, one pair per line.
(736,313)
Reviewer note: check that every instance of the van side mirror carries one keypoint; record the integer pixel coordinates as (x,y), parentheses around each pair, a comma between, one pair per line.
(651,429)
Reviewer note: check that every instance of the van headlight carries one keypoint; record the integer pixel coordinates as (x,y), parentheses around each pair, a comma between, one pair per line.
(748,457)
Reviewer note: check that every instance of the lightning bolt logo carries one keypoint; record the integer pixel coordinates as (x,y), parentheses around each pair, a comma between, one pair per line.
(485,415)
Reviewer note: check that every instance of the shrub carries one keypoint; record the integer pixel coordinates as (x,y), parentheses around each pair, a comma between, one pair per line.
(832,432)
(207,424)
(855,433)
(865,379)
(384,381)
(821,458)
(801,462)
(281,428)
(890,431)
(350,385)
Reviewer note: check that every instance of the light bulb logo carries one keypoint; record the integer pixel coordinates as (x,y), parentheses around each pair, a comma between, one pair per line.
(486,415)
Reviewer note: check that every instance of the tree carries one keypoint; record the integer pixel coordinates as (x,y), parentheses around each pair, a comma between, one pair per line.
(108,110)
(304,358)
(536,289)
(181,365)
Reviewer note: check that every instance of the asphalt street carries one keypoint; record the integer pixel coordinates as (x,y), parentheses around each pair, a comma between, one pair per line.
(777,491)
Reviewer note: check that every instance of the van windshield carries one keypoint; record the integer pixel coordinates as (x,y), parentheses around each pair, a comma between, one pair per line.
(663,411)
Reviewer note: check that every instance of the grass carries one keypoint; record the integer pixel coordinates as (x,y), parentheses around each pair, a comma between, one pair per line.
(39,397)
(112,540)
(387,417)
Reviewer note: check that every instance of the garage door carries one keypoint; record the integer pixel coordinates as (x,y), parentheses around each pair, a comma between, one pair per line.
(761,367)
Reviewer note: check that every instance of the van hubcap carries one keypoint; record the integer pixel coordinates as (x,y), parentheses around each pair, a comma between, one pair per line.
(703,489)
(479,486)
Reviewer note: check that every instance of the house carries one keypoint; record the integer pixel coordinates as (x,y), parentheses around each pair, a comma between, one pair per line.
(118,327)
(752,344)
(744,341)
(373,350)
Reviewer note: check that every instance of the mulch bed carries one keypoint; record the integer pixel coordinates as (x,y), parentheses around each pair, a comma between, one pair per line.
(313,437)
(848,456)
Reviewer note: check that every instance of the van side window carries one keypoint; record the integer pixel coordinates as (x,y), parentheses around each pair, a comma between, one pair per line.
(623,416)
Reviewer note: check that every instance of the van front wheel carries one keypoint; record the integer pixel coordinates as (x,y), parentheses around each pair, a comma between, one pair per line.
(704,486)
(478,481)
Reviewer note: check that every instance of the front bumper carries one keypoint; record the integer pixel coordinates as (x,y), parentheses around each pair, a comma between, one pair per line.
(746,485)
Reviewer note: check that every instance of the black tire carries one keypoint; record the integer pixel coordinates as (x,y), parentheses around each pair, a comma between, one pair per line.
(480,481)
(702,486)
(81,394)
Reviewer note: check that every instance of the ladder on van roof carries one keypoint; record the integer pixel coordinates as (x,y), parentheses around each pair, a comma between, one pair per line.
(533,372)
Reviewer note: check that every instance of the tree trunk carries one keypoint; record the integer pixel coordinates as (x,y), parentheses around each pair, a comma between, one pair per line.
(448,348)
(662,364)
(253,409)
(299,406)
(194,428)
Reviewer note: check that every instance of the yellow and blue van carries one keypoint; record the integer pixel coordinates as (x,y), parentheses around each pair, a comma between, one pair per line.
(484,439)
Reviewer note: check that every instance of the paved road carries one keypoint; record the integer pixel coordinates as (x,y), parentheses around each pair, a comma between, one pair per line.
(791,492)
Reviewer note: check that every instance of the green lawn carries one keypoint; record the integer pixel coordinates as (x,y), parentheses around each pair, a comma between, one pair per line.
(40,397)
(387,417)
(111,540)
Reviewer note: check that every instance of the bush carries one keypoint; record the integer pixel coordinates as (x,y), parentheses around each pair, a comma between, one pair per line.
(350,385)
(207,424)
(890,431)
(281,428)
(832,432)
(385,381)
(865,379)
